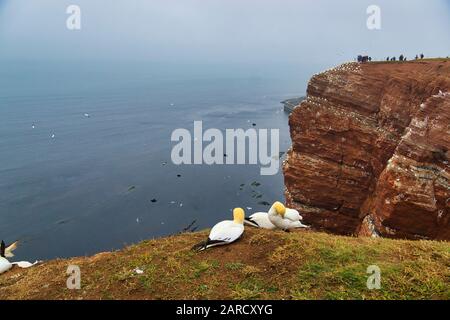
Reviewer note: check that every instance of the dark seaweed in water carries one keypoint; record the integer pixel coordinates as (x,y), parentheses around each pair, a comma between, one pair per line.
(190,227)
(255,184)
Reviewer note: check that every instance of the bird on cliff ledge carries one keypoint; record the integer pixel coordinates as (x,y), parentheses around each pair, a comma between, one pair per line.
(224,232)
(285,218)
(6,252)
(261,219)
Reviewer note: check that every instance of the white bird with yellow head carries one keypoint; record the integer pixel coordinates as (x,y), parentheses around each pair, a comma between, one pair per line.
(224,232)
(285,218)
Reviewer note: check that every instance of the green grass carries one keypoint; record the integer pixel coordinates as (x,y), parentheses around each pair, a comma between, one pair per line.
(262,265)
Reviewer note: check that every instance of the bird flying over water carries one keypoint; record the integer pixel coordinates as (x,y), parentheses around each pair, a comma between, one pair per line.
(224,232)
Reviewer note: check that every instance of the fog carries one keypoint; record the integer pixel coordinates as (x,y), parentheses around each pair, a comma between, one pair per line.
(73,185)
(222,32)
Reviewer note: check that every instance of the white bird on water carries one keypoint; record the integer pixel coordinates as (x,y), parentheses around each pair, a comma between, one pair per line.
(224,232)
(285,218)
(6,252)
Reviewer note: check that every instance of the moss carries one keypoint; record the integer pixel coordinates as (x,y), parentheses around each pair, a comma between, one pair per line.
(234,266)
(248,289)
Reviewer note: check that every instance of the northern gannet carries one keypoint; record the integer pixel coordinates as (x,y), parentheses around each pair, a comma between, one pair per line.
(284,218)
(6,251)
(260,220)
(224,232)
(293,213)
(5,265)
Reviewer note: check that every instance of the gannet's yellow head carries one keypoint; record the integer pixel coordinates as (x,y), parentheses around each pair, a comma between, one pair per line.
(238,215)
(279,208)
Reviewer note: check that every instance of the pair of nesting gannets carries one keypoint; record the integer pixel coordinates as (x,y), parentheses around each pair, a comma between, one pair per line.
(278,217)
(228,231)
(7,252)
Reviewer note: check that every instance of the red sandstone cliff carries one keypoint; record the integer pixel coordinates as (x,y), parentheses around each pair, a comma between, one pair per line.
(371,149)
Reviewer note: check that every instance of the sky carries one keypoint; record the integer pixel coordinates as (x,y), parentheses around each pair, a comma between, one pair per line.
(261,32)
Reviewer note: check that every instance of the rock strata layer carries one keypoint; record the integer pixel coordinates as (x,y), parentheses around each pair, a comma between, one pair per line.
(371,149)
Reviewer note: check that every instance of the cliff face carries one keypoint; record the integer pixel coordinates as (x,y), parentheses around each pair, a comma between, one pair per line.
(371,149)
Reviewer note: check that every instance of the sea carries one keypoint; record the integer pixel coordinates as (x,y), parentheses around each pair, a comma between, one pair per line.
(85,150)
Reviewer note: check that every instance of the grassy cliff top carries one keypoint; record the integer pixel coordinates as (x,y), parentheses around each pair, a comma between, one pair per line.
(262,265)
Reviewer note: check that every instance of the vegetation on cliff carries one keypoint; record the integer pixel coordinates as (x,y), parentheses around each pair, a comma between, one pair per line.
(262,265)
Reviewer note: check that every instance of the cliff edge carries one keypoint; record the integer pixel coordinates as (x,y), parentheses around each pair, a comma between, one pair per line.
(371,149)
(263,264)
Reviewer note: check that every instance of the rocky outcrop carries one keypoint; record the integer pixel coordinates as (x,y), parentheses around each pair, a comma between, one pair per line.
(371,149)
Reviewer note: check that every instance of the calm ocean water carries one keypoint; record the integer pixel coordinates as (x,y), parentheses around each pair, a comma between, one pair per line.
(89,187)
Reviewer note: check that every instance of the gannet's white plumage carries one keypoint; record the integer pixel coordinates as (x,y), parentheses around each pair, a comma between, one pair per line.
(293,215)
(284,218)
(224,232)
(5,265)
(6,251)
(25,264)
(260,220)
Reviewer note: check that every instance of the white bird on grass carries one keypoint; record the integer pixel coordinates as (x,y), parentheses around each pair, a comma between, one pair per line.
(5,265)
(260,220)
(293,214)
(224,232)
(285,218)
(6,252)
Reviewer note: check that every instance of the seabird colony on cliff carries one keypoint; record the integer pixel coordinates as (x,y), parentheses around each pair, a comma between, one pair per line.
(229,231)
